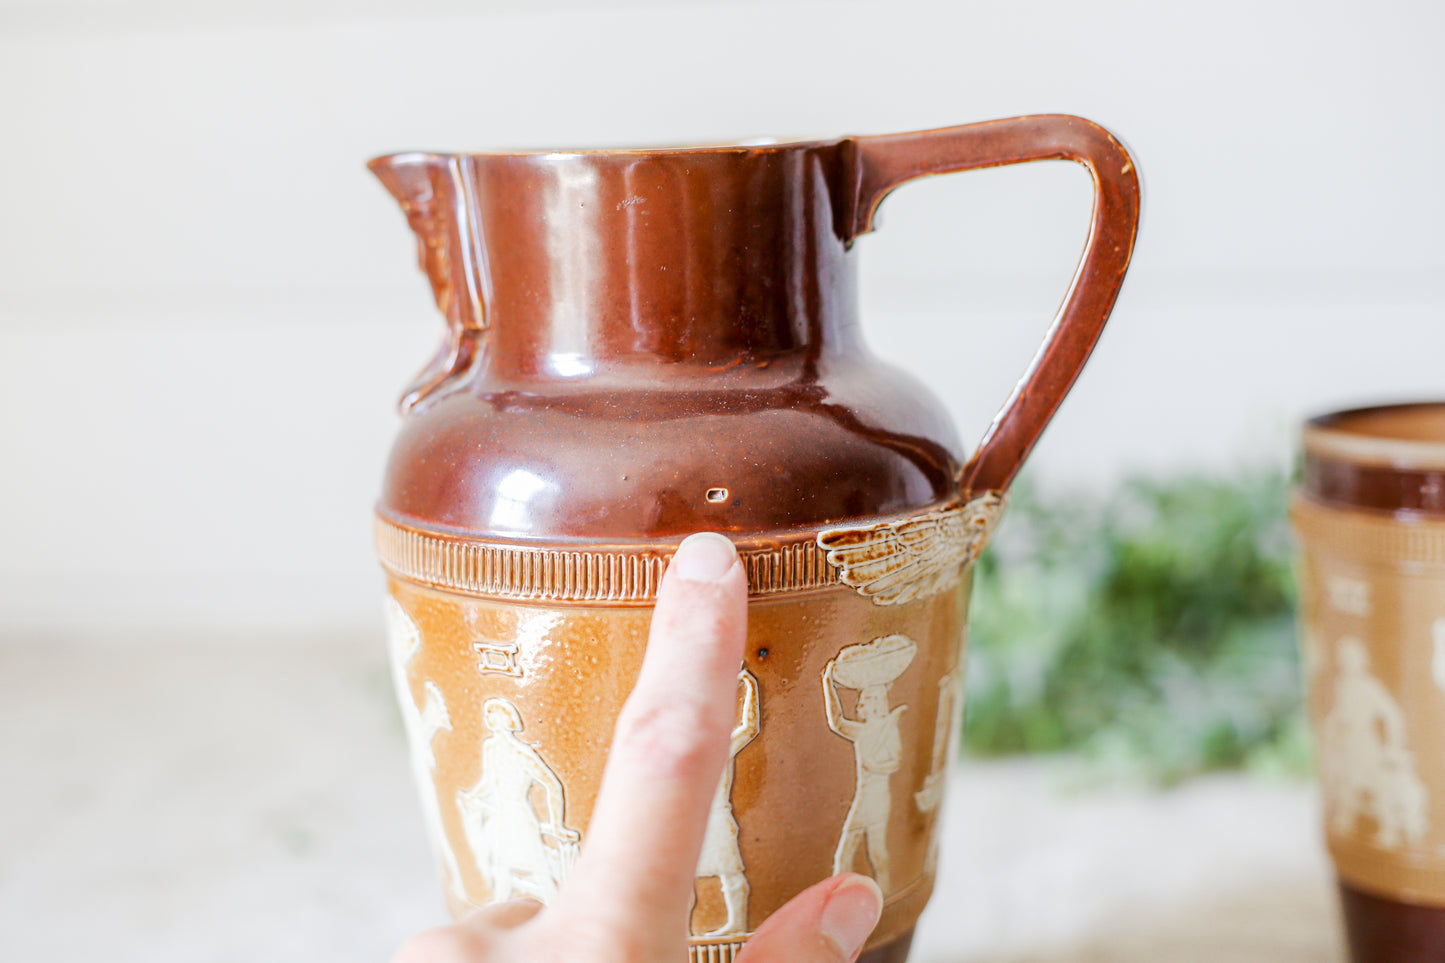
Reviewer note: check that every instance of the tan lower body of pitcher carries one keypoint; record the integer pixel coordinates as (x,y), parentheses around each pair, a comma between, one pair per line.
(847,708)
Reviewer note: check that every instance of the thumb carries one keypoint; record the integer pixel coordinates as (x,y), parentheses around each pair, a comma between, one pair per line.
(826,923)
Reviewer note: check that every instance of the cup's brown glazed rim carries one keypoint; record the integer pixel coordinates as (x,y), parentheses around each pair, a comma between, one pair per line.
(1379,436)
(1385,458)
(748,145)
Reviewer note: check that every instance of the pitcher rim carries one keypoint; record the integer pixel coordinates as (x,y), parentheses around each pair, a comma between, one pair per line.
(757,145)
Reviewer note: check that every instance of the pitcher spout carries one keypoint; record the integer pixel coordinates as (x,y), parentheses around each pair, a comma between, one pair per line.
(432,192)
(578,264)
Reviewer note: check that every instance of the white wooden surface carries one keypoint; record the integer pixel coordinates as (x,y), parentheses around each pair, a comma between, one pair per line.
(219,804)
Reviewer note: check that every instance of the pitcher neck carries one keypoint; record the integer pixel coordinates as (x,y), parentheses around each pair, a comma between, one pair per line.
(578,262)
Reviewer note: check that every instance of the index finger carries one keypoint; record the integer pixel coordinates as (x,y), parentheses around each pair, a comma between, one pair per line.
(634,879)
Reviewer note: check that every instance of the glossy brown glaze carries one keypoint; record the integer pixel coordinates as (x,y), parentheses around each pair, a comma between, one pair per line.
(886,162)
(429,191)
(1389,931)
(1388,458)
(643,344)
(894,951)
(658,324)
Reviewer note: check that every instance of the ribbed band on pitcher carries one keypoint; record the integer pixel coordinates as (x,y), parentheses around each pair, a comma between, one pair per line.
(579,575)
(715,952)
(891,560)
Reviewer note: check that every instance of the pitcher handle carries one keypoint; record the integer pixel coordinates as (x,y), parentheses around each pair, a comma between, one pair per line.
(886,161)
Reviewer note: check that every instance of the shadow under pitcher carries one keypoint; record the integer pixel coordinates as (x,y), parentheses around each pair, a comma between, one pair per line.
(642,344)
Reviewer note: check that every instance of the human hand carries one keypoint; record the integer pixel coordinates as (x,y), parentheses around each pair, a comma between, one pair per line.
(628,899)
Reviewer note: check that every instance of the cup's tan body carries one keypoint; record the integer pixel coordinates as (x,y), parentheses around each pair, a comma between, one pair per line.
(1372,596)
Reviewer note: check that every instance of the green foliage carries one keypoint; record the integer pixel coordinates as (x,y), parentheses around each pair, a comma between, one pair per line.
(1152,630)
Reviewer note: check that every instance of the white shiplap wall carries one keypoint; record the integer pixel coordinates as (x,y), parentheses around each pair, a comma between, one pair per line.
(206,306)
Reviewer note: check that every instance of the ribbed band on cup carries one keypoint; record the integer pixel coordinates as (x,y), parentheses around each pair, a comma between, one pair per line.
(1375,538)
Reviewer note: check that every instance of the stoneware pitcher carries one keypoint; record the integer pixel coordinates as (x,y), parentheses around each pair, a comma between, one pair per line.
(642,344)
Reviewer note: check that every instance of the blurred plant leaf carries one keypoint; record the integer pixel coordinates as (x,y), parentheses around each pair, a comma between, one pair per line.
(1152,630)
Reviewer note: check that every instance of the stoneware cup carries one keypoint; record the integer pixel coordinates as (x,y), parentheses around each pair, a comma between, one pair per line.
(1370,515)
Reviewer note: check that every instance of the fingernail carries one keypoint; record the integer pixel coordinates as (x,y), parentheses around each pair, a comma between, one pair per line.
(851,913)
(704,557)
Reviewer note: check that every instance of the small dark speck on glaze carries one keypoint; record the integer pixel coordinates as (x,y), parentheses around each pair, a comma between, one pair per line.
(762,653)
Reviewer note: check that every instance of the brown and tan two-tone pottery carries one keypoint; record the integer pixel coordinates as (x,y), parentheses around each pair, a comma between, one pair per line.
(642,344)
(1370,515)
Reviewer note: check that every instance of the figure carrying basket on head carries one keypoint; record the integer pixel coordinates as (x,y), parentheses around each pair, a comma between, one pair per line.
(869,667)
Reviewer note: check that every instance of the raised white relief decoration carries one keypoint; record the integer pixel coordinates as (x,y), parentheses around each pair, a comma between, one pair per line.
(945,725)
(1348,595)
(1437,657)
(913,558)
(1311,656)
(870,668)
(422,724)
(1366,766)
(721,858)
(521,844)
(948,721)
(497,657)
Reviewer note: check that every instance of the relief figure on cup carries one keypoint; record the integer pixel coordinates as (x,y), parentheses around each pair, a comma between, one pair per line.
(1349,595)
(422,724)
(1366,765)
(870,668)
(521,843)
(721,858)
